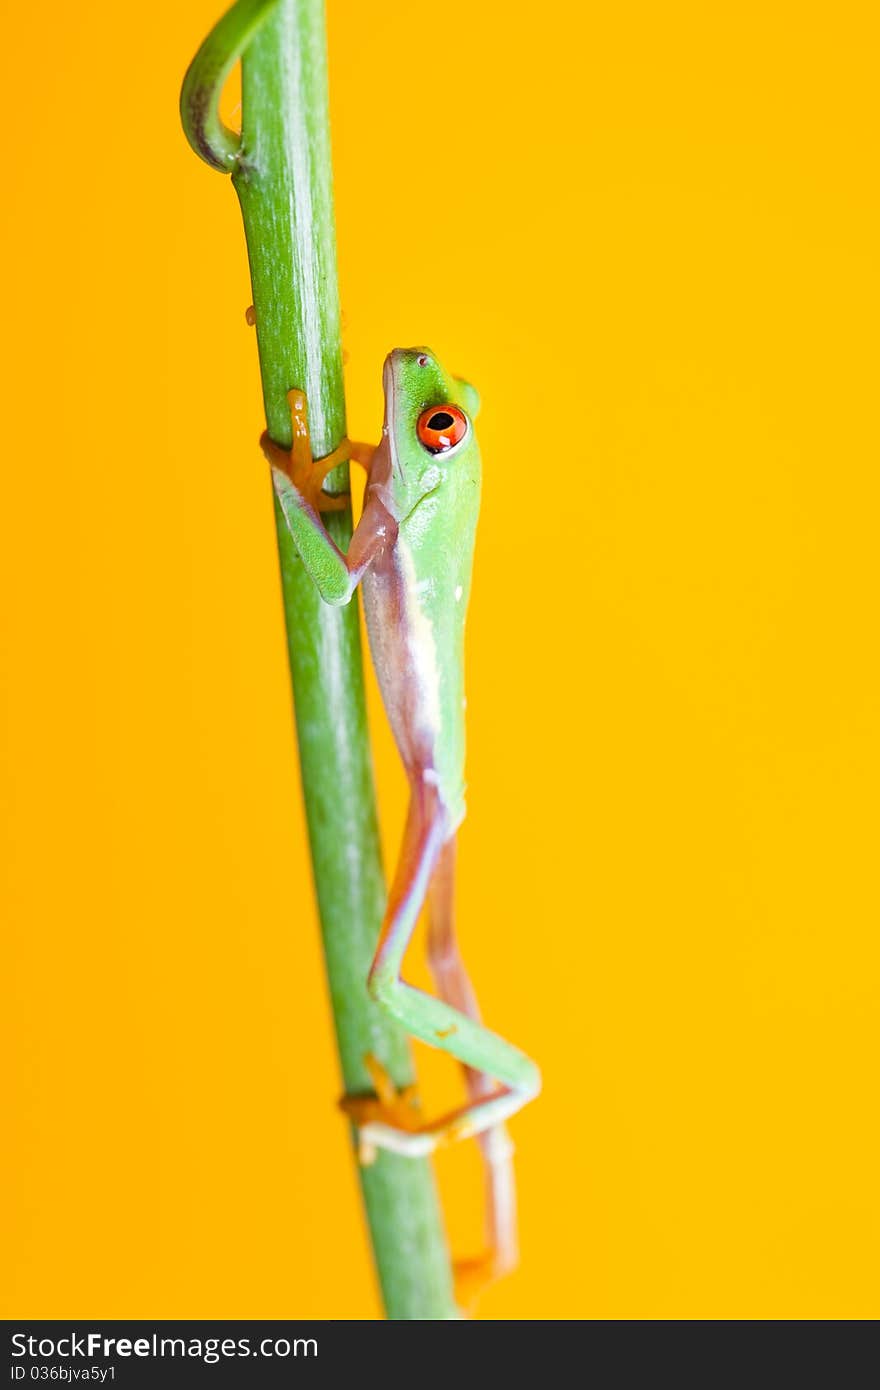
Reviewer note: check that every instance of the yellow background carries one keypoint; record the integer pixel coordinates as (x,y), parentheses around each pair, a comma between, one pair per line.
(649,234)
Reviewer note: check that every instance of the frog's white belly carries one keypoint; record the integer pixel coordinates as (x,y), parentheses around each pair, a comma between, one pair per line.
(405,657)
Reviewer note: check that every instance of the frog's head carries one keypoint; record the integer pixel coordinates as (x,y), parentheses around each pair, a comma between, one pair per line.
(429,428)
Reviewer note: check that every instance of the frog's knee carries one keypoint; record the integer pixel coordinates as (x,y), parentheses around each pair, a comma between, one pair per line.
(382,986)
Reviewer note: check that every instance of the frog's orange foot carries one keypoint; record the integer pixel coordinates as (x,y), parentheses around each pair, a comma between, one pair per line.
(308,473)
(471,1278)
(305,472)
(389,1106)
(308,479)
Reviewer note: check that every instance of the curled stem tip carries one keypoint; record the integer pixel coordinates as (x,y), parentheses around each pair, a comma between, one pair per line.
(213,141)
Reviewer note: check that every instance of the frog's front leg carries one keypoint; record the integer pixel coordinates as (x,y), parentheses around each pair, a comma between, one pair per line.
(298,480)
(435,1021)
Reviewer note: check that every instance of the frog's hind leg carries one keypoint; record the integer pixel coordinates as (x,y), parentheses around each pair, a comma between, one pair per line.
(435,1021)
(453,985)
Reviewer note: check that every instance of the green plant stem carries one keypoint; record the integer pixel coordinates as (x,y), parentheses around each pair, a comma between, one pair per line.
(283,179)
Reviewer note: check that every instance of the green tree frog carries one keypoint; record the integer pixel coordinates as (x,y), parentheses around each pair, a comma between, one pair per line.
(412,554)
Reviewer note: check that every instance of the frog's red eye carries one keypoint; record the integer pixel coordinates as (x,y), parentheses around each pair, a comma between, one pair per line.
(441,427)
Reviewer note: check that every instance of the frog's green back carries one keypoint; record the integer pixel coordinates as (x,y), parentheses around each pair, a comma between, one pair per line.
(424,589)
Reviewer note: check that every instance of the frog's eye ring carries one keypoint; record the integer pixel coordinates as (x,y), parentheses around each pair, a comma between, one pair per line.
(441,427)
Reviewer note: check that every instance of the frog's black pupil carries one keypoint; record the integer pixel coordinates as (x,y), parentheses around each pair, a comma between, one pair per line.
(440,421)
